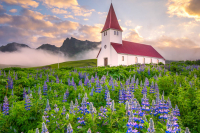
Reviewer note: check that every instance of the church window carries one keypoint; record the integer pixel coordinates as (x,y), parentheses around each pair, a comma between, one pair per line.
(150,60)
(117,32)
(136,60)
(114,32)
(157,61)
(106,32)
(105,46)
(143,60)
(122,58)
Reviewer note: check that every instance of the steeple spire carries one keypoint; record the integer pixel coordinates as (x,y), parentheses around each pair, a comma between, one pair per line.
(111,20)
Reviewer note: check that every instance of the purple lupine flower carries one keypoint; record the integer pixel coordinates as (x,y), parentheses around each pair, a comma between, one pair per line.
(145,103)
(44,128)
(121,98)
(89,131)
(91,93)
(80,83)
(176,111)
(48,108)
(83,108)
(64,98)
(147,82)
(69,128)
(27,102)
(108,99)
(57,79)
(24,93)
(37,130)
(67,92)
(102,113)
(46,116)
(72,108)
(45,89)
(6,106)
(149,72)
(151,128)
(63,110)
(112,106)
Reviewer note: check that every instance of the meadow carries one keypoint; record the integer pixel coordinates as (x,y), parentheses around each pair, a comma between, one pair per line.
(137,98)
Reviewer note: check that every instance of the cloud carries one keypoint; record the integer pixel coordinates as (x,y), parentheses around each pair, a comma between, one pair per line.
(2,10)
(5,18)
(134,36)
(22,3)
(92,33)
(13,10)
(33,14)
(128,23)
(60,3)
(165,41)
(69,16)
(68,4)
(184,8)
(28,30)
(175,48)
(86,19)
(102,13)
(52,18)
(59,11)
(171,53)
(79,11)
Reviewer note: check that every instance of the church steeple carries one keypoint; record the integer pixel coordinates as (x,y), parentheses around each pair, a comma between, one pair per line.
(111,20)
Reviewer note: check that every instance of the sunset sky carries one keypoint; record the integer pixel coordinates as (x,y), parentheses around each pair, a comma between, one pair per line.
(160,23)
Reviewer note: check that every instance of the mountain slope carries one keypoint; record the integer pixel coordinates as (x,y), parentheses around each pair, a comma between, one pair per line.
(12,47)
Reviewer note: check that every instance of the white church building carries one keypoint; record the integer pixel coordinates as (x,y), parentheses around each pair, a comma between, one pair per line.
(114,51)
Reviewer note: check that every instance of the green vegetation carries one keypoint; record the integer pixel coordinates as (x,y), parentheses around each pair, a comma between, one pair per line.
(180,82)
(80,63)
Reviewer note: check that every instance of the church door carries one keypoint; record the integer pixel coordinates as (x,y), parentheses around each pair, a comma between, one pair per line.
(105,61)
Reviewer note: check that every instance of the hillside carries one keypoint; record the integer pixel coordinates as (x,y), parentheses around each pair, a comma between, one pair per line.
(80,63)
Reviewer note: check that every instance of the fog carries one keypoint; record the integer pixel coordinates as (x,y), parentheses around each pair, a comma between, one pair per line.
(31,57)
(171,53)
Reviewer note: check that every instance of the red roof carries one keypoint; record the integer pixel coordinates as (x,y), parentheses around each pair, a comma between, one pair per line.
(99,52)
(111,20)
(136,49)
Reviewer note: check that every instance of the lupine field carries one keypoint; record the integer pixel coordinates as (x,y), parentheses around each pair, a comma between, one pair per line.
(124,99)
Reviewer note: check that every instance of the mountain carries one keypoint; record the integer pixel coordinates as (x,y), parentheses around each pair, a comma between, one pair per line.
(73,46)
(70,47)
(11,47)
(49,47)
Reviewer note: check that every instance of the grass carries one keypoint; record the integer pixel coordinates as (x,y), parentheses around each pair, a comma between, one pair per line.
(80,63)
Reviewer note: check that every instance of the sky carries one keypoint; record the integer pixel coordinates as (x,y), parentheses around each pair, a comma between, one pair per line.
(172,27)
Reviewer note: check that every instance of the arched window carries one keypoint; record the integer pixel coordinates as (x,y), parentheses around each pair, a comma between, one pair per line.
(117,32)
(136,60)
(122,58)
(143,60)
(114,32)
(151,60)
(106,32)
(157,61)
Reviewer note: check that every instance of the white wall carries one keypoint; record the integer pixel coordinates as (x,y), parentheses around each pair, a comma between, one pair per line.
(130,59)
(109,52)
(115,38)
(114,57)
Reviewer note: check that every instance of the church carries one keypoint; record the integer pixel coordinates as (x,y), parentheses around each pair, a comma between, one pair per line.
(114,51)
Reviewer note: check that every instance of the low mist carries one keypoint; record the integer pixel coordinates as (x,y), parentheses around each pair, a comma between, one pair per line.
(31,58)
